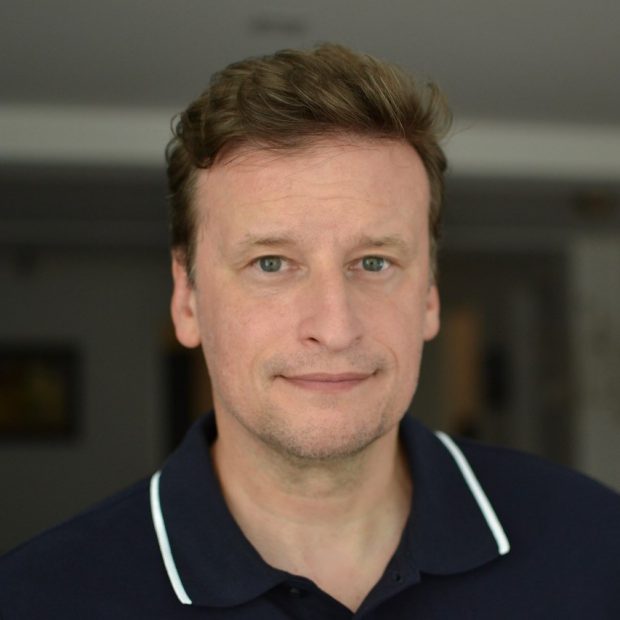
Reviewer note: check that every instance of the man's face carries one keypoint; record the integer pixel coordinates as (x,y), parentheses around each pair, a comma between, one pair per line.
(313,292)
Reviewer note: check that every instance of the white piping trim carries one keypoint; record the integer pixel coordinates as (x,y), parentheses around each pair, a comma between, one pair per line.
(164,543)
(495,526)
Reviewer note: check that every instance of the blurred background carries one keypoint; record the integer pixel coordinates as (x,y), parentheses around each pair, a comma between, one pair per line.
(94,392)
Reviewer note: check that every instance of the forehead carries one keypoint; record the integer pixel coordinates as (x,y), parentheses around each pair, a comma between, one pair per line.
(330,178)
(354,185)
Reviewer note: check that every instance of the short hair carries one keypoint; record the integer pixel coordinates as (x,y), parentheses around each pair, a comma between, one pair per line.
(286,100)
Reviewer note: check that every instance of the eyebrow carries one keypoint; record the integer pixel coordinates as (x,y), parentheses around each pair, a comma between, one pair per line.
(282,240)
(393,241)
(252,241)
(271,241)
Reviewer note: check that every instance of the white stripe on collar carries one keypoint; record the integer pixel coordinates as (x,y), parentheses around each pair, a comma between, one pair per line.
(164,543)
(495,526)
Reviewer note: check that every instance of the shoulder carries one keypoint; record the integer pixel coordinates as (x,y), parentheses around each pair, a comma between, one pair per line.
(95,554)
(81,531)
(564,534)
(556,519)
(518,480)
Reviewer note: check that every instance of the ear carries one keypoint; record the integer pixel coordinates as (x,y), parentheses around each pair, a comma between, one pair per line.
(431,316)
(183,305)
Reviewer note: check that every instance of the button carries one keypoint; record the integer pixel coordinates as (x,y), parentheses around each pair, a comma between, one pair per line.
(397,577)
(296,592)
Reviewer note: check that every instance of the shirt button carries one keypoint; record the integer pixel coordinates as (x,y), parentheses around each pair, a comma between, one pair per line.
(296,592)
(397,577)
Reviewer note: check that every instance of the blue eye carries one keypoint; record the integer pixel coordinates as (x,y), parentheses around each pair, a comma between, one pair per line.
(374,263)
(270,264)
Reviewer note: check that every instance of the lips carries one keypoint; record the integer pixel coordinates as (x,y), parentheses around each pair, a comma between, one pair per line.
(327,382)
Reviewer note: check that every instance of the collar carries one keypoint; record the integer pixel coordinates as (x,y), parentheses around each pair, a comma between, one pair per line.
(452,527)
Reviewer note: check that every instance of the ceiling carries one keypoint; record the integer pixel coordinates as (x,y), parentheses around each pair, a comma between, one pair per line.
(552,63)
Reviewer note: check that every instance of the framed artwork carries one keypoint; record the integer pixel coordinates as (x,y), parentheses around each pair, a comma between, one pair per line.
(39,388)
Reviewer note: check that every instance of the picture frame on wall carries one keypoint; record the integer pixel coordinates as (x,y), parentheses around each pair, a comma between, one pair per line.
(39,391)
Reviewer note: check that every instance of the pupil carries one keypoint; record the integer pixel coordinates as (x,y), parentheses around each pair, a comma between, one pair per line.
(373,263)
(270,263)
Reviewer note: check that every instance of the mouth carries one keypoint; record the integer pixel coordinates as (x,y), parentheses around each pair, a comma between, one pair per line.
(327,382)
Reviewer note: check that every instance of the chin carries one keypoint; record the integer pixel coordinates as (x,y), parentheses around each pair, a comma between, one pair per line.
(322,439)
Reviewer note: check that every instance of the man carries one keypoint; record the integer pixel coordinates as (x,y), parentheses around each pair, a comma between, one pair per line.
(306,191)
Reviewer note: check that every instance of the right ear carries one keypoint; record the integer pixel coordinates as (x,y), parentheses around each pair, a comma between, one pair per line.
(183,304)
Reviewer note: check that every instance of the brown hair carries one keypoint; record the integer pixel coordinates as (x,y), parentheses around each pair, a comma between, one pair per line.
(284,100)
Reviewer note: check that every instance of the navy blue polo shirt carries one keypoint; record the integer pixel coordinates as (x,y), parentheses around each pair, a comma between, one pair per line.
(492,533)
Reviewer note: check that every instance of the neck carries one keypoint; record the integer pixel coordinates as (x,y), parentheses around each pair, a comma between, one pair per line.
(323,519)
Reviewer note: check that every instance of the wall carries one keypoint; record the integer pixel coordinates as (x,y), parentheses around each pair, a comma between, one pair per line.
(111,303)
(595,313)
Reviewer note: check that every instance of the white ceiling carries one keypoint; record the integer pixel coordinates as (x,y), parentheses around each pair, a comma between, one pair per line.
(505,64)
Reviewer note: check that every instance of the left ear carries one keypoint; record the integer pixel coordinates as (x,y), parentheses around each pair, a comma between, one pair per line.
(183,305)
(431,314)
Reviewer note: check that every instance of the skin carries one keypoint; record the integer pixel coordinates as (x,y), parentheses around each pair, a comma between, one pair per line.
(312,299)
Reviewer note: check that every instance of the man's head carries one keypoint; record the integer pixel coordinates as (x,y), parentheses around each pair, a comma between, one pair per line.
(290,99)
(303,255)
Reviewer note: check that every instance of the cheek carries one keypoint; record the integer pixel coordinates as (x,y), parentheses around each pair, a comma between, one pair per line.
(398,317)
(398,325)
(236,332)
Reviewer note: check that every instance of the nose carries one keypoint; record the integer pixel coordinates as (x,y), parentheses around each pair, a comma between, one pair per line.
(329,314)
